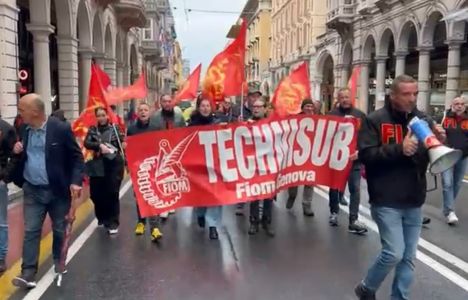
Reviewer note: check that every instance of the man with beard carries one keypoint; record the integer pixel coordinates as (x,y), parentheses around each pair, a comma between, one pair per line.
(167,118)
(345,108)
(456,125)
(396,166)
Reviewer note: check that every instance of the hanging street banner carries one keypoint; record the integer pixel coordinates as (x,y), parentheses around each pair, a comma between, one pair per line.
(227,164)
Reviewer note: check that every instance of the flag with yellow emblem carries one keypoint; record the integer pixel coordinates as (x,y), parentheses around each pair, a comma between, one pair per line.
(290,92)
(225,75)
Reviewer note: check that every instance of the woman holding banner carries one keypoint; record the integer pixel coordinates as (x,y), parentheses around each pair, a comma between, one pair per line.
(105,170)
(203,115)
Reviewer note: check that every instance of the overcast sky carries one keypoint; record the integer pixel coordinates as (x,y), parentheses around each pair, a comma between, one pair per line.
(204,34)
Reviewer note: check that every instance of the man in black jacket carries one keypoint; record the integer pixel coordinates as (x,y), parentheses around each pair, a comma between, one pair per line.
(346,109)
(396,165)
(456,125)
(7,141)
(50,169)
(143,125)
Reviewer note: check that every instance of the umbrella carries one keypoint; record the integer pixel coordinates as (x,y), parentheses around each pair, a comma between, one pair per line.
(69,218)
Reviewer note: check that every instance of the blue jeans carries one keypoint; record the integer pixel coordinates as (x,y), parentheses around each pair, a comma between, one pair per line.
(212,214)
(3,220)
(399,234)
(39,201)
(354,186)
(452,180)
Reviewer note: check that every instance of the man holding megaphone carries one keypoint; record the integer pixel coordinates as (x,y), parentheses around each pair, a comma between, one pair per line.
(455,122)
(396,164)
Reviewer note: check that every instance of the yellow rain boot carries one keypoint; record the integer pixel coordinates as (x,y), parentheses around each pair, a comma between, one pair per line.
(140,229)
(156,235)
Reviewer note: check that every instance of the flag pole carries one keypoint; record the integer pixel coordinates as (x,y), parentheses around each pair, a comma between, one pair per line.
(242,102)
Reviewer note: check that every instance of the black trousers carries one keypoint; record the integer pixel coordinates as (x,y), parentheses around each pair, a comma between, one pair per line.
(104,193)
(255,211)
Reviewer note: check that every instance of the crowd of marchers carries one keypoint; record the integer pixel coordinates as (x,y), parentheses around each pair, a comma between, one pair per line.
(41,155)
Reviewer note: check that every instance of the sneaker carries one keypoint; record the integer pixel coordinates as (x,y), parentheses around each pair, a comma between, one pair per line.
(140,228)
(253,229)
(268,229)
(164,215)
(201,222)
(333,220)
(113,231)
(308,212)
(426,220)
(343,201)
(239,211)
(213,233)
(290,202)
(57,269)
(452,219)
(357,227)
(25,281)
(2,266)
(172,211)
(363,293)
(156,235)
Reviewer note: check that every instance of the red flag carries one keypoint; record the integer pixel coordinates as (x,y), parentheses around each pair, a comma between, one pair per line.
(137,90)
(103,77)
(190,87)
(187,166)
(353,83)
(225,74)
(96,99)
(290,92)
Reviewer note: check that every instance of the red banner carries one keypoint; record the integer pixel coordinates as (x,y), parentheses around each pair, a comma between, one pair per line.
(223,165)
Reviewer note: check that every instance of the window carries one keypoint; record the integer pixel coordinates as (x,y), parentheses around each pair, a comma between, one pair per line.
(148,31)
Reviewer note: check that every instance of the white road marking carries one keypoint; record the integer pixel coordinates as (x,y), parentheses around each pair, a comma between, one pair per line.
(46,281)
(433,264)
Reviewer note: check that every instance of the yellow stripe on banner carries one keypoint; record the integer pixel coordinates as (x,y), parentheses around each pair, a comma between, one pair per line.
(6,287)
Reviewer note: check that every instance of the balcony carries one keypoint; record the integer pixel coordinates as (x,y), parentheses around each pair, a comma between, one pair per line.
(341,17)
(382,4)
(364,7)
(151,5)
(104,3)
(163,5)
(130,13)
(162,63)
(151,50)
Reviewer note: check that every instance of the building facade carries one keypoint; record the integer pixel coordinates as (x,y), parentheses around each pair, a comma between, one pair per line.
(295,27)
(48,47)
(258,43)
(424,39)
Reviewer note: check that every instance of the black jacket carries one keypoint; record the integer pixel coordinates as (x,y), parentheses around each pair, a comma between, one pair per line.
(7,141)
(63,158)
(198,120)
(104,164)
(138,127)
(457,131)
(351,112)
(393,179)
